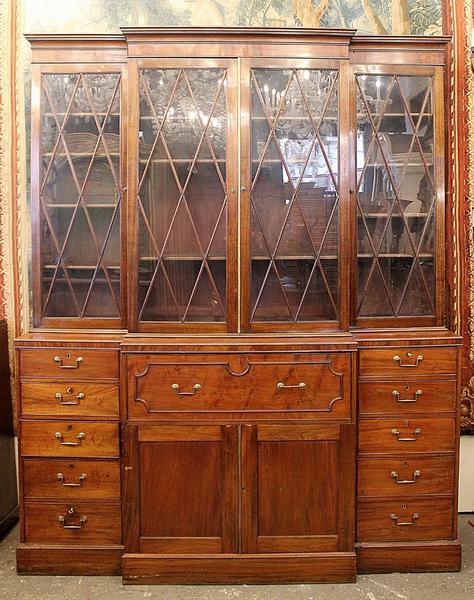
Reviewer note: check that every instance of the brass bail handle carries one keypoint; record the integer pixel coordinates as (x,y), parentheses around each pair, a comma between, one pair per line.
(416,476)
(399,360)
(397,434)
(196,387)
(59,361)
(61,480)
(70,513)
(300,386)
(398,523)
(80,436)
(396,395)
(69,391)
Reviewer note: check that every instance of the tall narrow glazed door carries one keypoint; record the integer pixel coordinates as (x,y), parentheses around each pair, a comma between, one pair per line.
(77,194)
(180,489)
(298,488)
(291,194)
(185,194)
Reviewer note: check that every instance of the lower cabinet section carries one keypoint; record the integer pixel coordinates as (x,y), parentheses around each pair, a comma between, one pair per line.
(240,490)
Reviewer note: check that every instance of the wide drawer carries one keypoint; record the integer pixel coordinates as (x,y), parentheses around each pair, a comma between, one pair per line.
(70,399)
(247,384)
(404,520)
(420,396)
(397,477)
(78,479)
(389,362)
(415,434)
(78,523)
(69,439)
(70,363)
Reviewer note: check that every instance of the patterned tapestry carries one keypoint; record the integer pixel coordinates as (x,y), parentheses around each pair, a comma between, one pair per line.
(393,17)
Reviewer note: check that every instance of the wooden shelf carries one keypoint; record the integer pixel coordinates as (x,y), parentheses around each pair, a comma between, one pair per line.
(431,256)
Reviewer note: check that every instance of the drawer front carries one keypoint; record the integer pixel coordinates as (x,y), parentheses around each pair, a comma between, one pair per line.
(70,363)
(66,523)
(407,397)
(405,520)
(415,434)
(389,362)
(315,383)
(64,479)
(70,399)
(69,439)
(397,477)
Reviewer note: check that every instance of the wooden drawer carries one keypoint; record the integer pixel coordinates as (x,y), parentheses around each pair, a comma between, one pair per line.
(260,383)
(79,479)
(55,438)
(405,520)
(416,434)
(70,363)
(397,477)
(74,399)
(100,523)
(398,362)
(420,396)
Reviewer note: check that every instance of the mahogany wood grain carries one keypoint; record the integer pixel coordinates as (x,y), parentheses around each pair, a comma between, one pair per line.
(247,384)
(68,560)
(101,527)
(434,521)
(411,362)
(335,567)
(375,476)
(97,479)
(95,364)
(437,434)
(79,399)
(100,440)
(415,557)
(422,396)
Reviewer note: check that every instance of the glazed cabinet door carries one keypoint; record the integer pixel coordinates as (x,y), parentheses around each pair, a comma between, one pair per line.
(294,194)
(180,489)
(298,488)
(76,191)
(399,199)
(182,143)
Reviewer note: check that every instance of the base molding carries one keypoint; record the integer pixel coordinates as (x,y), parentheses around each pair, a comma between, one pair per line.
(38,559)
(414,557)
(239,568)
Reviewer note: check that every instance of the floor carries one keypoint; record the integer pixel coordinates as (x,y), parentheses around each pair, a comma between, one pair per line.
(442,586)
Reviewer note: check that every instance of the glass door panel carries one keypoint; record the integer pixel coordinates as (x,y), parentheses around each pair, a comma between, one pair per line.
(182,195)
(396,196)
(79,196)
(294,195)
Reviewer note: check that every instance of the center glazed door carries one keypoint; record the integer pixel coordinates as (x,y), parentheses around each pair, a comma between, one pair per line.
(183,194)
(294,197)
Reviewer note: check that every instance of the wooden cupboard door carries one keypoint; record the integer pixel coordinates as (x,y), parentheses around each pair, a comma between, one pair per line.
(298,488)
(180,486)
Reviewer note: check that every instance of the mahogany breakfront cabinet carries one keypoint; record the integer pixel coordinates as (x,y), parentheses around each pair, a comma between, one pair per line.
(241,367)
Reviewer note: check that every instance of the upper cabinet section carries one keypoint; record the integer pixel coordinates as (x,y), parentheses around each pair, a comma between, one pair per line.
(238,180)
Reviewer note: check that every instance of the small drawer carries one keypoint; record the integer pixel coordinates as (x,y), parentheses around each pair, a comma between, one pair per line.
(389,362)
(67,523)
(397,477)
(256,384)
(405,520)
(69,439)
(70,399)
(69,363)
(407,397)
(79,479)
(415,434)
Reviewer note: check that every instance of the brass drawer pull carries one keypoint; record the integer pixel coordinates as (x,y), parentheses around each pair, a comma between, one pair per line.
(70,513)
(80,436)
(398,359)
(396,395)
(282,386)
(75,402)
(196,388)
(59,360)
(407,439)
(60,478)
(416,475)
(414,517)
